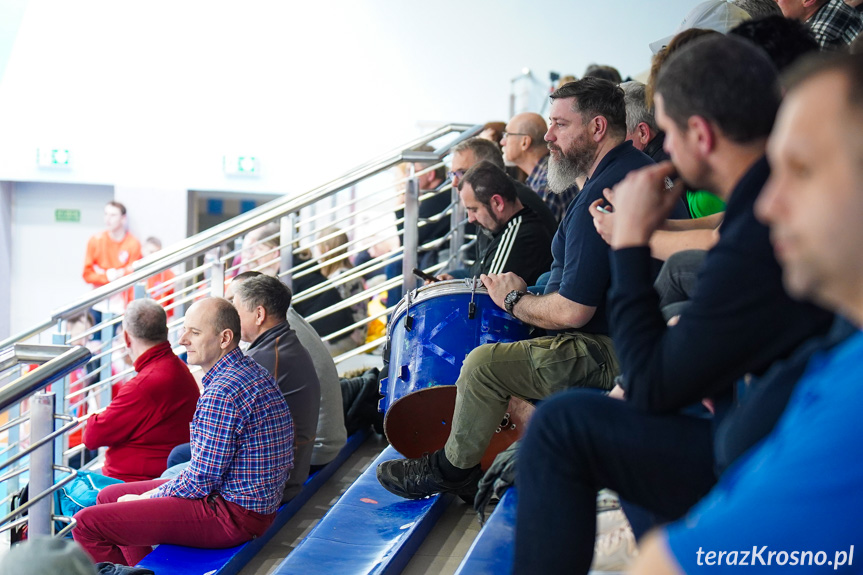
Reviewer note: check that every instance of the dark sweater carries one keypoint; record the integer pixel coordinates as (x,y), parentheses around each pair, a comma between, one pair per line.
(522,246)
(279,351)
(740,319)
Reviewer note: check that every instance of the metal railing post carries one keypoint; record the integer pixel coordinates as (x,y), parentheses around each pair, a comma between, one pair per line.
(411,232)
(41,464)
(217,278)
(456,240)
(286,240)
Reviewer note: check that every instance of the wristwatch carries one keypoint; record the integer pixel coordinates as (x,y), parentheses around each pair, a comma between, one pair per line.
(511,299)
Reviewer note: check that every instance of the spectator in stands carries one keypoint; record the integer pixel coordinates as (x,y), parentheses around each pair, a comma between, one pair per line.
(333,249)
(645,448)
(160,286)
(641,128)
(524,146)
(110,253)
(430,181)
(834,24)
(261,253)
(330,436)
(813,205)
(519,242)
(262,303)
(588,127)
(242,454)
(493,132)
(466,154)
(784,39)
(609,73)
(718,15)
(151,413)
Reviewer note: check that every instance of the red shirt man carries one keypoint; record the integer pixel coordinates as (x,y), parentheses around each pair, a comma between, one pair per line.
(151,413)
(110,253)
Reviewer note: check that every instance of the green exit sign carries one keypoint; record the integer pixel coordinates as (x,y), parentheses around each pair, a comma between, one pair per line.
(67,216)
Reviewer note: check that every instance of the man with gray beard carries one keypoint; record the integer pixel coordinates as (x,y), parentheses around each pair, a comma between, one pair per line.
(586,139)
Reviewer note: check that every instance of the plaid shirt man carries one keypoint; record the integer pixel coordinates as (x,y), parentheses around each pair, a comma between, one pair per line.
(835,25)
(242,438)
(538,182)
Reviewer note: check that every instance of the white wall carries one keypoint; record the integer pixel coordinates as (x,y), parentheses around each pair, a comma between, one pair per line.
(48,256)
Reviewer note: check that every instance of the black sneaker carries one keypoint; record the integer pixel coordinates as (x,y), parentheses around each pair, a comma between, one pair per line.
(418,478)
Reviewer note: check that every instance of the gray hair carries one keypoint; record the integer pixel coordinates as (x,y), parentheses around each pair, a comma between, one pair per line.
(637,111)
(146,320)
(758,8)
(265,291)
(482,150)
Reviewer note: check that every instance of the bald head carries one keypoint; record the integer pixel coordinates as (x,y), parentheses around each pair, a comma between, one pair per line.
(524,143)
(211,330)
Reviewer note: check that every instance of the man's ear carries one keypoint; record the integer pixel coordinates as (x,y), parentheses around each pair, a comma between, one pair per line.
(260,315)
(126,339)
(642,132)
(598,127)
(225,338)
(496,203)
(702,134)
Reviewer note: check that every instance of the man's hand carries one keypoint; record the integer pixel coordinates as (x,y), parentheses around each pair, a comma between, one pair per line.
(603,220)
(617,392)
(498,285)
(642,204)
(136,497)
(113,274)
(441,277)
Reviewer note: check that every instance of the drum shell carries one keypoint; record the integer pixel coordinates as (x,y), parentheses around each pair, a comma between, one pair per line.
(432,352)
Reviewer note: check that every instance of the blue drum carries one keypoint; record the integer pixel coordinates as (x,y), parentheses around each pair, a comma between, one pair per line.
(432,330)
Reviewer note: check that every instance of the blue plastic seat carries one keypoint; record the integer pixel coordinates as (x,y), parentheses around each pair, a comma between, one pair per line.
(368,530)
(179,560)
(492,550)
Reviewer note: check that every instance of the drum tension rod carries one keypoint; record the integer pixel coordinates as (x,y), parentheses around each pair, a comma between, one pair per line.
(471,307)
(409,321)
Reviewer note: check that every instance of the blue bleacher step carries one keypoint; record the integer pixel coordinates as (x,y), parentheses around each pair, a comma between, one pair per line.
(178,560)
(368,530)
(492,551)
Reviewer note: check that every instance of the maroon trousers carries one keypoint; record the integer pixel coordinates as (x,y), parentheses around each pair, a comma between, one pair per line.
(125,532)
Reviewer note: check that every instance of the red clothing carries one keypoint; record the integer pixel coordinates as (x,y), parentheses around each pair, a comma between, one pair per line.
(103,253)
(149,416)
(165,290)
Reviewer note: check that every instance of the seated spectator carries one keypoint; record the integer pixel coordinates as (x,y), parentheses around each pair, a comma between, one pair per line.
(493,132)
(524,146)
(261,253)
(519,242)
(151,413)
(262,303)
(834,23)
(332,248)
(242,454)
(813,205)
(647,448)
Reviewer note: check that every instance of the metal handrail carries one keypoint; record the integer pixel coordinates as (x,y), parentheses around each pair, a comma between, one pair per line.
(50,371)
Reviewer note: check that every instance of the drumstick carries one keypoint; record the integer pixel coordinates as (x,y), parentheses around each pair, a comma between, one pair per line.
(424,276)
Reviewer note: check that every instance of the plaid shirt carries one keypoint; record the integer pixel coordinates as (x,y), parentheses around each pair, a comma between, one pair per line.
(538,182)
(242,438)
(835,25)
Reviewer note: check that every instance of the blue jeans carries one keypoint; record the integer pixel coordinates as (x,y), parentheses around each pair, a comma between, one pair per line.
(579,442)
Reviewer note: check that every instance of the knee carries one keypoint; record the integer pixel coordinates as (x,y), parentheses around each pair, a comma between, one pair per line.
(111,493)
(566,415)
(475,361)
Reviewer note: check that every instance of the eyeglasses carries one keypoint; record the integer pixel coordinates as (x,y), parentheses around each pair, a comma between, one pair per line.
(508,134)
(456,174)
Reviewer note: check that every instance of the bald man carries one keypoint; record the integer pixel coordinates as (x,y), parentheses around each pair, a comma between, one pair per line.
(242,453)
(524,145)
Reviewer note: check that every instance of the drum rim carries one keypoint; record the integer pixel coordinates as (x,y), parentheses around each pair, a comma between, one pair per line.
(422,293)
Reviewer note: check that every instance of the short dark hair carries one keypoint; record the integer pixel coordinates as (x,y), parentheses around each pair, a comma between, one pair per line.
(597,97)
(117,205)
(727,81)
(265,291)
(226,317)
(146,320)
(486,180)
(483,150)
(784,39)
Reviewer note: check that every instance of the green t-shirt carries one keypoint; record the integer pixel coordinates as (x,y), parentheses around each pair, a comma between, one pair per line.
(702,203)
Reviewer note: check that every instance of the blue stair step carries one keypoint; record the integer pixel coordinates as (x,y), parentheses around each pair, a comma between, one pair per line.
(178,560)
(368,530)
(492,551)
